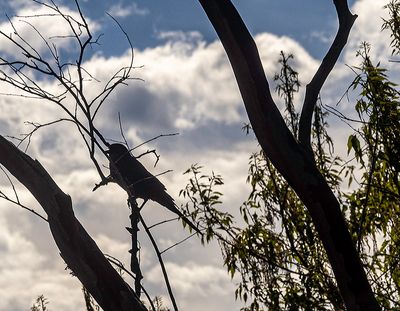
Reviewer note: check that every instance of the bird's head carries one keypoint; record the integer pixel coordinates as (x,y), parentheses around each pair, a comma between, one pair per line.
(117,151)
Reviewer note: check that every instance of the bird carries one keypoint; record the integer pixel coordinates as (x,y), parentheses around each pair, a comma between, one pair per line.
(134,178)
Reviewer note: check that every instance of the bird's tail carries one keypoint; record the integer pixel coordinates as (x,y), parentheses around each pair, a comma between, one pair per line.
(185,219)
(166,200)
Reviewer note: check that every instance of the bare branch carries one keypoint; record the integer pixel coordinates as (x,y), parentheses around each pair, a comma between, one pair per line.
(161,261)
(154,138)
(120,79)
(346,21)
(36,127)
(163,222)
(16,202)
(178,243)
(55,69)
(121,130)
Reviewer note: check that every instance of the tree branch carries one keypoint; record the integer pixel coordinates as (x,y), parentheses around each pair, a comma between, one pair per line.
(292,160)
(346,21)
(77,248)
(161,261)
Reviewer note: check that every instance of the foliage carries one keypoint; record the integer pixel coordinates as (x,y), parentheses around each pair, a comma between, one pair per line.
(203,199)
(373,209)
(393,24)
(158,304)
(277,253)
(40,304)
(89,301)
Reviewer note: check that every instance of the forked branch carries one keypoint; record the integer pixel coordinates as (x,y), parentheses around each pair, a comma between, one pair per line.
(291,159)
(346,21)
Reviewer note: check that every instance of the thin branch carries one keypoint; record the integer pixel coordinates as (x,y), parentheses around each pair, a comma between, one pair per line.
(154,138)
(155,154)
(16,201)
(12,185)
(36,127)
(178,243)
(121,130)
(135,250)
(110,86)
(161,261)
(163,222)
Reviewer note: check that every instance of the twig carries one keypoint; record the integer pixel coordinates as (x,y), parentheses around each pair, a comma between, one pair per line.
(154,138)
(163,222)
(178,243)
(121,130)
(161,261)
(5,197)
(17,201)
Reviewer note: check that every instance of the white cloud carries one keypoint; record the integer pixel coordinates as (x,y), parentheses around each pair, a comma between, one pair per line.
(367,28)
(119,10)
(189,86)
(193,283)
(37,24)
(24,270)
(189,83)
(192,279)
(321,36)
(191,38)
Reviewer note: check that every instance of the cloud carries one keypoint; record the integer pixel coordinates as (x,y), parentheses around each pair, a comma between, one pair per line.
(321,36)
(119,10)
(30,29)
(16,4)
(191,38)
(193,283)
(188,87)
(194,279)
(367,28)
(188,83)
(25,272)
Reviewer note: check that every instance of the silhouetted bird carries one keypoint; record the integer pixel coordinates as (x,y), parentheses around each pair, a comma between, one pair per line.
(132,176)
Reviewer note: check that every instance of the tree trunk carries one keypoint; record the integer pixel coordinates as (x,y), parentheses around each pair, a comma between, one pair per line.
(77,248)
(292,159)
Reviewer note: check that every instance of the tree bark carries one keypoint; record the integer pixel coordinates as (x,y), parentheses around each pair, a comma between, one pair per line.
(77,248)
(292,159)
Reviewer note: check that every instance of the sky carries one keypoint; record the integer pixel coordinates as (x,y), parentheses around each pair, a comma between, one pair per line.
(182,84)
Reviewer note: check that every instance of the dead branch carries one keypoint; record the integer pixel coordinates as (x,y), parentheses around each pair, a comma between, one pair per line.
(70,76)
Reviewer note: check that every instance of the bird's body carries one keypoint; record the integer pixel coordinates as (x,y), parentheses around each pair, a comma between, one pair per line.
(132,176)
